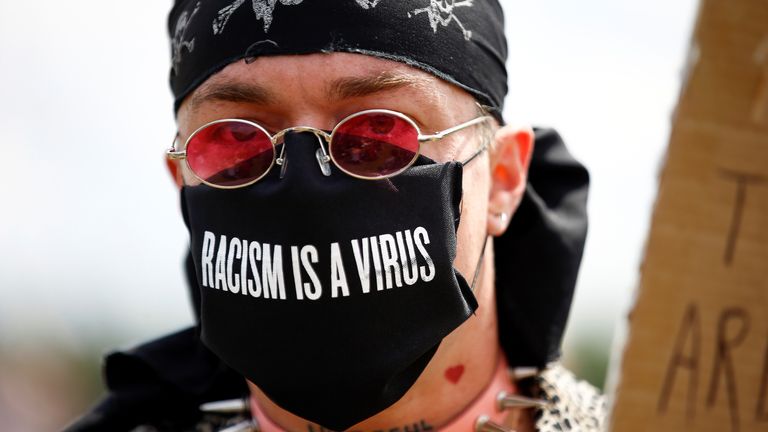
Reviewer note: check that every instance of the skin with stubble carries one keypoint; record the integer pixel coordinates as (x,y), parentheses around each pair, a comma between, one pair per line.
(319,90)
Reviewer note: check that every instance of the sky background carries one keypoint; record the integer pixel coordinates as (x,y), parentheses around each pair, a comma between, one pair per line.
(91,237)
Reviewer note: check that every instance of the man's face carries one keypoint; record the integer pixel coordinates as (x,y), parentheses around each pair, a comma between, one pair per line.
(319,90)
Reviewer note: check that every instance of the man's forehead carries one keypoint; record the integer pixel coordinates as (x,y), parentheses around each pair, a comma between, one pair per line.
(332,76)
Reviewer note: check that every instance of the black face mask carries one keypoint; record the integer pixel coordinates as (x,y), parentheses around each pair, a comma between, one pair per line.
(330,293)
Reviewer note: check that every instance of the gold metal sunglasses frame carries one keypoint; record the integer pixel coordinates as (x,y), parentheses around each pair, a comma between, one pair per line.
(321,135)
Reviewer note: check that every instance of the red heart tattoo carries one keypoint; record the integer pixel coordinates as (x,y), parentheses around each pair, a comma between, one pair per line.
(454,373)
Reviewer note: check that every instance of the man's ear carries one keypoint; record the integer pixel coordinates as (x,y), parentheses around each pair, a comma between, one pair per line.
(175,169)
(510,158)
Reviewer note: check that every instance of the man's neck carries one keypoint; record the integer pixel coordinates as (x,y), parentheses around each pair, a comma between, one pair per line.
(462,368)
(485,406)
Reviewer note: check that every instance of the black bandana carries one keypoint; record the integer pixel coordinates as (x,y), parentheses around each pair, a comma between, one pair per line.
(460,41)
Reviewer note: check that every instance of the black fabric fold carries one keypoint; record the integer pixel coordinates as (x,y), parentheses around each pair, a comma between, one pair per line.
(538,257)
(160,383)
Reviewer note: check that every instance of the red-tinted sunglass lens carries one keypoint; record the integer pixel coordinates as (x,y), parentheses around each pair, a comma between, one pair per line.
(374,144)
(230,153)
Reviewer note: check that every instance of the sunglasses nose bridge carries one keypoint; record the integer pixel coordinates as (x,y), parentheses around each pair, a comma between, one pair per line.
(321,154)
(320,134)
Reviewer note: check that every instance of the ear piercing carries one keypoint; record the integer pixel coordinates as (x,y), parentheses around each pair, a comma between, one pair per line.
(502,217)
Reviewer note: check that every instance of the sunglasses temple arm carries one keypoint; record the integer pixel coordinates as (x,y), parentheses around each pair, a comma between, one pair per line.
(442,134)
(457,128)
(174,154)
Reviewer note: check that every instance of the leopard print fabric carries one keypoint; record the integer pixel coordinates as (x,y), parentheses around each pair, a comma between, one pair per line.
(573,405)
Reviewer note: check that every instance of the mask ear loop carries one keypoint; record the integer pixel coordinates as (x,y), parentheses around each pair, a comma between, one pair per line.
(475,154)
(479,265)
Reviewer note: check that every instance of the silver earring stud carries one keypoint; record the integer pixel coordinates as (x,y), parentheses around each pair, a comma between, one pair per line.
(502,217)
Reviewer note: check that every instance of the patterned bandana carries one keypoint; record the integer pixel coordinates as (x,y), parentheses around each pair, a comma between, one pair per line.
(460,41)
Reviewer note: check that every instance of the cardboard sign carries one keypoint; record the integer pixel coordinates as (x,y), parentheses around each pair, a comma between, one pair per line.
(696,357)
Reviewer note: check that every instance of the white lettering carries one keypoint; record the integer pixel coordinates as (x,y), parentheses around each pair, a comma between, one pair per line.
(389,260)
(209,244)
(395,258)
(428,274)
(272,273)
(410,268)
(221,258)
(308,257)
(376,263)
(338,275)
(244,268)
(235,252)
(298,285)
(363,265)
(254,254)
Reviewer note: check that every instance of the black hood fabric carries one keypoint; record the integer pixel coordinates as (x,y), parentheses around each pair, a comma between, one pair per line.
(537,261)
(461,42)
(538,257)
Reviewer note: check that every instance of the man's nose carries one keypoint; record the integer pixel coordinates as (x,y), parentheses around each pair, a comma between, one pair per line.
(297,141)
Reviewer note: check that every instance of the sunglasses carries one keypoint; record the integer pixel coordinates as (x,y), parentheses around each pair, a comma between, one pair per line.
(371,145)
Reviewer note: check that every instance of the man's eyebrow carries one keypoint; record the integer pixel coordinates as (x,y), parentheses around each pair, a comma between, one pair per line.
(359,86)
(338,89)
(232,92)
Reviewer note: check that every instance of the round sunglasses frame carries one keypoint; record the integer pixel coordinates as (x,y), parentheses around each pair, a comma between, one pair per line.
(321,135)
